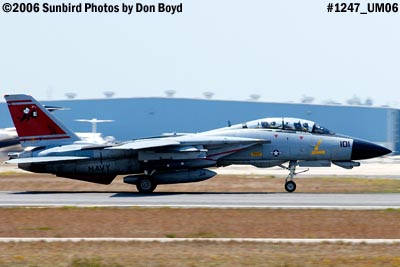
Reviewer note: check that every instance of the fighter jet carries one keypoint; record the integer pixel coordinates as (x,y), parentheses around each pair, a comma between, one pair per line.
(286,142)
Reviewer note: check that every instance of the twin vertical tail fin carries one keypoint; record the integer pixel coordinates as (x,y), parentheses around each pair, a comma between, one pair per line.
(35,125)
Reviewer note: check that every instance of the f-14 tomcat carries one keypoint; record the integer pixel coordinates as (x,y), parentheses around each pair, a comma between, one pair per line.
(287,142)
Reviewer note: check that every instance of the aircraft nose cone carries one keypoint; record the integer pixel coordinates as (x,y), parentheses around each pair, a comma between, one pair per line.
(367,150)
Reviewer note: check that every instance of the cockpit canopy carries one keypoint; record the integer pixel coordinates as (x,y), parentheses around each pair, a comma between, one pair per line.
(291,124)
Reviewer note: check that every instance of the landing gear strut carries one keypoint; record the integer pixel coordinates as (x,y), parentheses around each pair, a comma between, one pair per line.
(290,185)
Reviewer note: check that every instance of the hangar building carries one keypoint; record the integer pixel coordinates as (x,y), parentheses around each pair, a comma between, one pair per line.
(142,117)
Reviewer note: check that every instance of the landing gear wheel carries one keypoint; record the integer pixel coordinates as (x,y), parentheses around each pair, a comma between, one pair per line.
(290,186)
(146,185)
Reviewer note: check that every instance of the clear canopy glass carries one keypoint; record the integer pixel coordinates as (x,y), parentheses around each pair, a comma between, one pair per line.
(291,124)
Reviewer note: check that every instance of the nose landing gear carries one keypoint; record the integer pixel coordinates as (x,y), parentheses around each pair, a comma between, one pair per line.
(290,185)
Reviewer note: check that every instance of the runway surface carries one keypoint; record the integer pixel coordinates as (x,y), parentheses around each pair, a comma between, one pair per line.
(207,200)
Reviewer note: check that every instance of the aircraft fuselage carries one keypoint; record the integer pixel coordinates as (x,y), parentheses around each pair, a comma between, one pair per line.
(176,158)
(278,148)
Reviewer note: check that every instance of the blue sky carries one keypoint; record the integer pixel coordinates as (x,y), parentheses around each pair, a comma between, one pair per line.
(281,50)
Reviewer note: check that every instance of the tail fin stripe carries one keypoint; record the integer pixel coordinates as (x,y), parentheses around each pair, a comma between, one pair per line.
(19,102)
(31,138)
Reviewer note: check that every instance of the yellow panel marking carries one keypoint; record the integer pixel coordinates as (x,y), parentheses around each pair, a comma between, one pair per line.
(256,154)
(316,150)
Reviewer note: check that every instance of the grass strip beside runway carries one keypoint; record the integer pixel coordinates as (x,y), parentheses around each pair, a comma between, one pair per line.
(117,254)
(198,223)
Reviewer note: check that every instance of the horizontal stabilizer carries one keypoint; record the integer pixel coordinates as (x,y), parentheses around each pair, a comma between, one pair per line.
(43,159)
(146,143)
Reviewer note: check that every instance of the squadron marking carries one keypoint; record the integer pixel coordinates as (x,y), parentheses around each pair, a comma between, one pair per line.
(316,150)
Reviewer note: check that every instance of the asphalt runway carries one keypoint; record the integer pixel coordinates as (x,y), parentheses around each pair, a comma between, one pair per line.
(207,200)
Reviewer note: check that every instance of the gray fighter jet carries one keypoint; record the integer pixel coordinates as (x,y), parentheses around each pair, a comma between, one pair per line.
(53,148)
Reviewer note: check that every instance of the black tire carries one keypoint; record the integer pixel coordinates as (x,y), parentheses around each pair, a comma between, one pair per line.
(146,185)
(290,186)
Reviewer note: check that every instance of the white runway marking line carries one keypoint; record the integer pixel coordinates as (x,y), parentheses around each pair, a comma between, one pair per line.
(223,240)
(316,207)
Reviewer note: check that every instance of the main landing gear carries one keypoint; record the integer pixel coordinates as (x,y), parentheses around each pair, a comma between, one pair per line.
(290,185)
(146,184)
